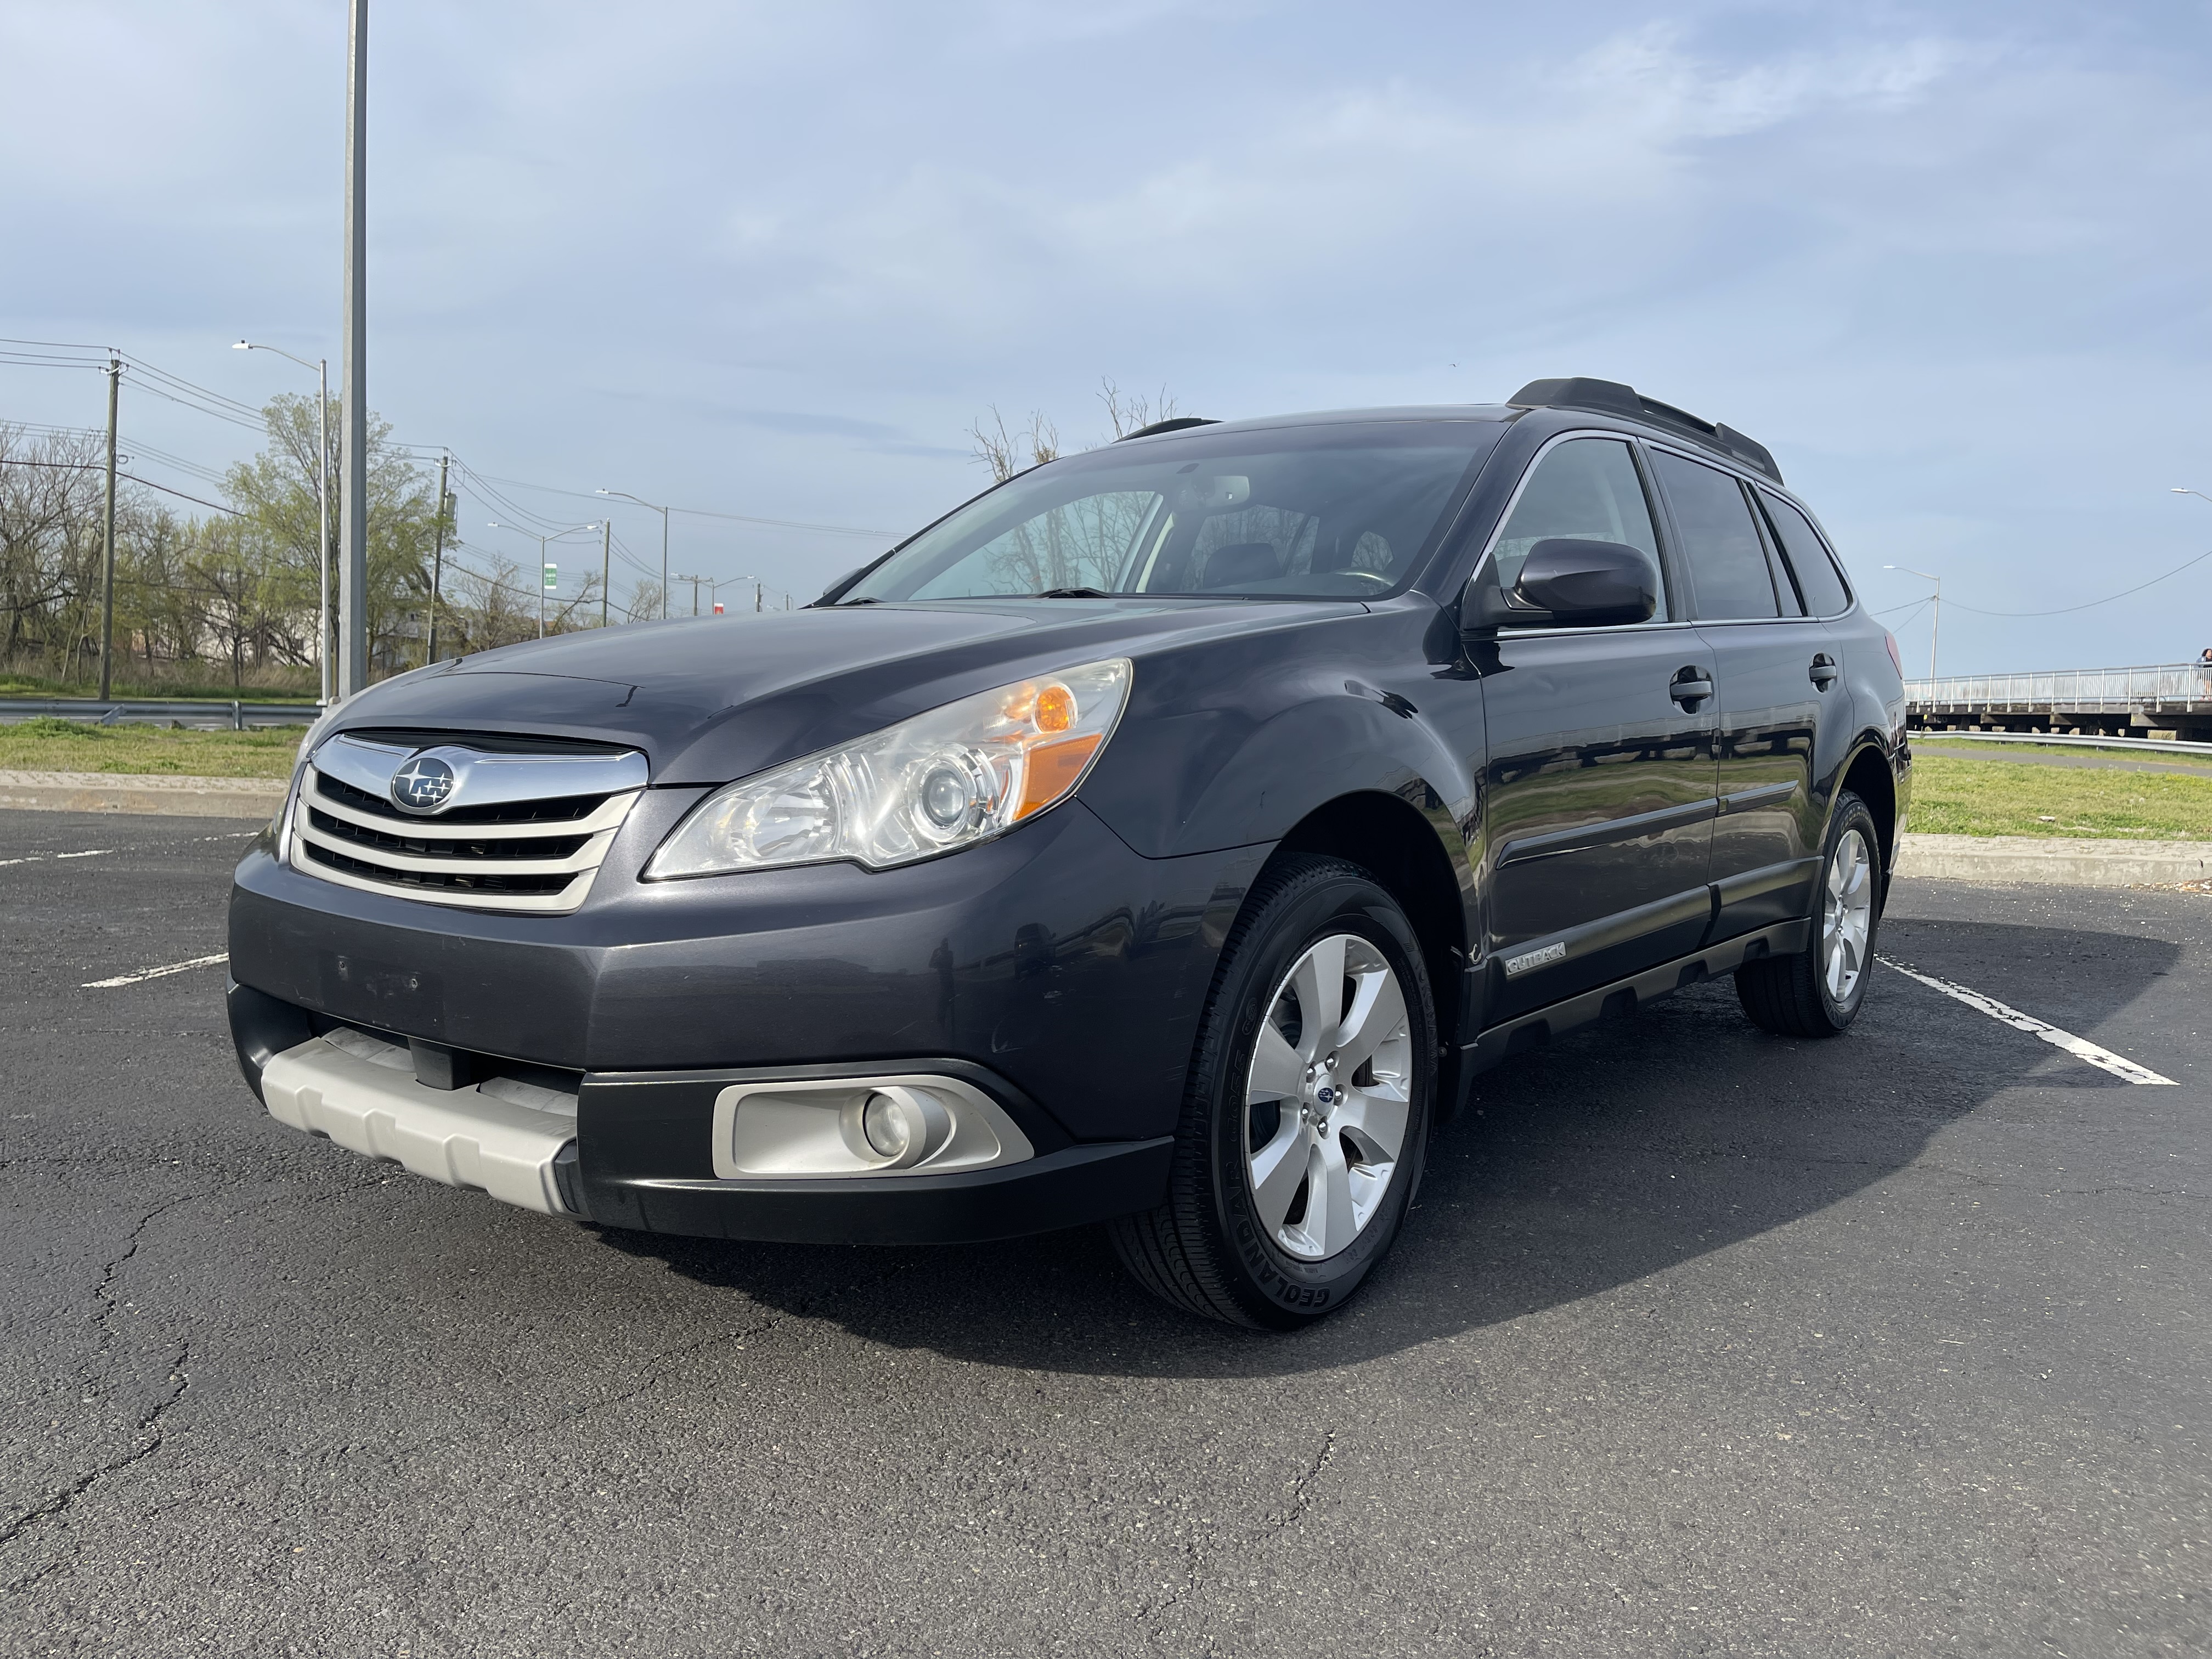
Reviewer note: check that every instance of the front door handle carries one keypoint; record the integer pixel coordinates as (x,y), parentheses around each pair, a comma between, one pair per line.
(1824,670)
(1691,686)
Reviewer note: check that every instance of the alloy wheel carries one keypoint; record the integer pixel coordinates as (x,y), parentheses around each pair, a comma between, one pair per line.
(1328,1096)
(1846,916)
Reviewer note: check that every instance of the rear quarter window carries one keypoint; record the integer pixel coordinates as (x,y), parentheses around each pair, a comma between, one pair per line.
(1818,579)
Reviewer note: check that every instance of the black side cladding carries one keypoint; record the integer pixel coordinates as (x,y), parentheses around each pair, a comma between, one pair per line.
(262,1027)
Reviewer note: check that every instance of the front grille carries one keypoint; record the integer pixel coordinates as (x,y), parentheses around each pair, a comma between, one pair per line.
(369,843)
(457,882)
(514,852)
(565,809)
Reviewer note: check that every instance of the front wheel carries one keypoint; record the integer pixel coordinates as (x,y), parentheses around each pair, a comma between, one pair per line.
(1817,993)
(1307,1112)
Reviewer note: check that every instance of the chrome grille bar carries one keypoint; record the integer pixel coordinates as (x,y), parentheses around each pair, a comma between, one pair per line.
(553,816)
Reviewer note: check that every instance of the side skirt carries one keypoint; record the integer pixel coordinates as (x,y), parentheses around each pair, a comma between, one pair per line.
(1533,1031)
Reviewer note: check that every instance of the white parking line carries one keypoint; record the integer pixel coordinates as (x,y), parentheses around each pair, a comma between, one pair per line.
(41,858)
(157,973)
(2081,1048)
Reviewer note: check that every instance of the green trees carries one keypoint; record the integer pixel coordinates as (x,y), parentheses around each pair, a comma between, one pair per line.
(208,599)
(275,493)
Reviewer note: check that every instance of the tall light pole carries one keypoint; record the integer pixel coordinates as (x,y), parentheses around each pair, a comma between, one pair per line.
(322,367)
(663,511)
(1935,628)
(107,542)
(353,501)
(544,541)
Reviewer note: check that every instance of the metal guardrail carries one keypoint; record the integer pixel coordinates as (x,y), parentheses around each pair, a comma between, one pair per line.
(2060,739)
(2119,691)
(236,716)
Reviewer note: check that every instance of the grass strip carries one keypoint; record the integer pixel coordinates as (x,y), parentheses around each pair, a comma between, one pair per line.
(48,745)
(1952,797)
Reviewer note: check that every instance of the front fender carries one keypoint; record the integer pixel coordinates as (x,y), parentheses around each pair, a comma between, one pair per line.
(1215,762)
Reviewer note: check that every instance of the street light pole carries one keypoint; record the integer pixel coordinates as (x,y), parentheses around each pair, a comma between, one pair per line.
(663,511)
(544,541)
(322,367)
(1935,628)
(353,503)
(107,542)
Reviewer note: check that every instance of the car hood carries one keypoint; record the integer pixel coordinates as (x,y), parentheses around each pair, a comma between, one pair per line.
(709,700)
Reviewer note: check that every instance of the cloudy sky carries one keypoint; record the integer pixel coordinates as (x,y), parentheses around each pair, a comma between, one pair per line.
(1950,263)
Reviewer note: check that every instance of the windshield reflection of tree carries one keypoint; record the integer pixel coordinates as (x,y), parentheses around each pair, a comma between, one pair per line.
(1089,542)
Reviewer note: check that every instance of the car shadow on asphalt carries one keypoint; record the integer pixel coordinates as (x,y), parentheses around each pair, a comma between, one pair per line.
(1607,1158)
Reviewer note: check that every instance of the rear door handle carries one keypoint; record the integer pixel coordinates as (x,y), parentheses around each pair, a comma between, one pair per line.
(1691,686)
(1824,670)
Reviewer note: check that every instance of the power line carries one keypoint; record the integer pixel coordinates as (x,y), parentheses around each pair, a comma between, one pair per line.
(2067,609)
(700,512)
(95,466)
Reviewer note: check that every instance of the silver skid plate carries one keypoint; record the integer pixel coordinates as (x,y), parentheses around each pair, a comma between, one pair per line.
(362,1092)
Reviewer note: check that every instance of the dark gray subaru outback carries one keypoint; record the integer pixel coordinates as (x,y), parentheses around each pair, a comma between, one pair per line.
(1166,838)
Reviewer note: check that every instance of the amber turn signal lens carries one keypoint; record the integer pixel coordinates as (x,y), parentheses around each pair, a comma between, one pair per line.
(1052,771)
(1056,709)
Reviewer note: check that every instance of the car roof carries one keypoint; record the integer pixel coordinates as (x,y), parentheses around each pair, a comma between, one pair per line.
(1610,399)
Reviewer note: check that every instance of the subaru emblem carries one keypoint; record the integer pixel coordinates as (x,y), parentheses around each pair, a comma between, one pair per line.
(424,785)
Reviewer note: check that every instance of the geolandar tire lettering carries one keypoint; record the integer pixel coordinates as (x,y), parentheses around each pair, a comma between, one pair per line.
(1307,1114)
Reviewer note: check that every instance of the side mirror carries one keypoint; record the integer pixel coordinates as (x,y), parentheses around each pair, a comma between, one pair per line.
(1569,582)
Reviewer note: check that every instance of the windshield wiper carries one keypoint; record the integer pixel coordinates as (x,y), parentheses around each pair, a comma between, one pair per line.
(1073,593)
(865,598)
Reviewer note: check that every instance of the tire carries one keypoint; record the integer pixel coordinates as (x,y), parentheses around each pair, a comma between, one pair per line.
(1818,992)
(1277,1235)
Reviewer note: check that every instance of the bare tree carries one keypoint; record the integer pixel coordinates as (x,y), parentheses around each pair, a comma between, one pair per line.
(1008,453)
(1133,414)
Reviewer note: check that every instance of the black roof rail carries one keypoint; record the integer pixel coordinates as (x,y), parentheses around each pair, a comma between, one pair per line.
(1157,427)
(1612,397)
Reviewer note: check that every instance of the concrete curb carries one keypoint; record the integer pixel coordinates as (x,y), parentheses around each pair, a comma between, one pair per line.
(2073,862)
(116,791)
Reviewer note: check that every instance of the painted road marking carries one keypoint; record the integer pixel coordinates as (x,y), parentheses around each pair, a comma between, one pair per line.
(108,852)
(179,968)
(2080,1048)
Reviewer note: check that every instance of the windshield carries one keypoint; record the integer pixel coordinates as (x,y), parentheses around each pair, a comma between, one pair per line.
(1342,511)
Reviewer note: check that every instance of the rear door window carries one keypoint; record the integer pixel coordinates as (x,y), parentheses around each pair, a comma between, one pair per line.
(1728,574)
(1817,577)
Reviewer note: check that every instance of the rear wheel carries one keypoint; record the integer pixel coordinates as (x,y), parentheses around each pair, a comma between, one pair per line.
(1307,1112)
(1818,992)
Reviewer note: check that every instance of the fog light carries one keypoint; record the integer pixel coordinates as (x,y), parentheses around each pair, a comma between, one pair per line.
(897,1128)
(886,1126)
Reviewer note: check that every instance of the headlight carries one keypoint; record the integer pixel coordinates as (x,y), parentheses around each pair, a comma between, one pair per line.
(948,779)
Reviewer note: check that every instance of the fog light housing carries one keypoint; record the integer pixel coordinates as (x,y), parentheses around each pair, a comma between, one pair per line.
(896,1128)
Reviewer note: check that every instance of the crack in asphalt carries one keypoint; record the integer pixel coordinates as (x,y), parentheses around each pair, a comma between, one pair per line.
(1196,1549)
(1302,1488)
(146,1435)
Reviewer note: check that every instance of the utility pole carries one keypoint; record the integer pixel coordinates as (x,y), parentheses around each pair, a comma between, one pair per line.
(353,501)
(438,565)
(757,599)
(323,508)
(606,566)
(107,545)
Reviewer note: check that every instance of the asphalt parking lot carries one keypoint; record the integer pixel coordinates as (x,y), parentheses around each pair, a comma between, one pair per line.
(1698,1342)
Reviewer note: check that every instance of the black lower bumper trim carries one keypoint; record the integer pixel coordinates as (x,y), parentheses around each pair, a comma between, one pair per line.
(1066,1189)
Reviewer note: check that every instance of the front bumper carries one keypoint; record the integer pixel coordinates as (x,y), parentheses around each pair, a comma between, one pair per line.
(636,1150)
(1071,967)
